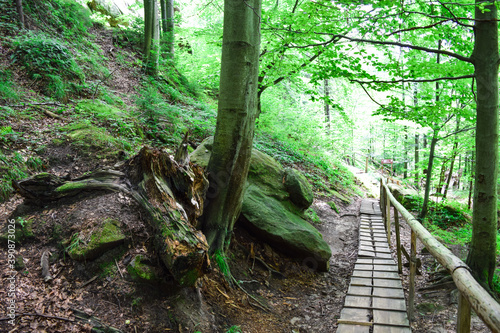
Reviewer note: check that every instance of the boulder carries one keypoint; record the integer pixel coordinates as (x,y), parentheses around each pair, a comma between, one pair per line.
(400,193)
(298,187)
(272,207)
(104,238)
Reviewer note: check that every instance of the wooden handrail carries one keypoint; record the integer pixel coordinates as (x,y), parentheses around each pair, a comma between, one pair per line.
(486,307)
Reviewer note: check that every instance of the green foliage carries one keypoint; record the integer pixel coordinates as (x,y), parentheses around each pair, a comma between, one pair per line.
(234,329)
(444,215)
(221,259)
(312,216)
(8,93)
(333,206)
(59,17)
(48,61)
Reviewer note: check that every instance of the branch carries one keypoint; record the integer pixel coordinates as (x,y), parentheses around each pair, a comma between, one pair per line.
(414,47)
(419,28)
(466,129)
(373,100)
(446,78)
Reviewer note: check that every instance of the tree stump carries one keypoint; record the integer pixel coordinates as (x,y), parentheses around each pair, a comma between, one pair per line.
(171,194)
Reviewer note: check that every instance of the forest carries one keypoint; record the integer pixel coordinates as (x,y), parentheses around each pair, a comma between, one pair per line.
(199,166)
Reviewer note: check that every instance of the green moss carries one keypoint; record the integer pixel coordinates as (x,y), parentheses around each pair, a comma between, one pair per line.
(139,270)
(70,186)
(108,236)
(333,206)
(91,139)
(189,278)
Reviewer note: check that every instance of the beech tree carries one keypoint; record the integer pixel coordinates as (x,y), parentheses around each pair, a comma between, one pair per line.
(237,111)
(151,37)
(485,61)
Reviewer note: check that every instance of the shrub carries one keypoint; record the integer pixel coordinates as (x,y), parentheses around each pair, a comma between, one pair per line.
(48,60)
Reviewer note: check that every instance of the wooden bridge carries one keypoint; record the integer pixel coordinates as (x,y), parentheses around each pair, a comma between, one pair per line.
(375,300)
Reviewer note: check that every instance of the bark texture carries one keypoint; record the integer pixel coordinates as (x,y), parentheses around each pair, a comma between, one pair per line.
(481,258)
(237,111)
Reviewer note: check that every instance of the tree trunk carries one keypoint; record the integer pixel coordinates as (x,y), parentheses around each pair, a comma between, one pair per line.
(454,154)
(482,255)
(237,111)
(171,195)
(20,12)
(167,24)
(423,211)
(327,108)
(151,37)
(417,174)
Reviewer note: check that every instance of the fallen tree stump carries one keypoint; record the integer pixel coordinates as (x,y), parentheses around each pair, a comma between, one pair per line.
(171,194)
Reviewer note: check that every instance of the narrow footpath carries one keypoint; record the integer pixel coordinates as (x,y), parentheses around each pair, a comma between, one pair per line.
(375,301)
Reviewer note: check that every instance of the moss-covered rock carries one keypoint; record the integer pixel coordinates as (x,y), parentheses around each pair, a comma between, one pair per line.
(298,187)
(401,193)
(106,237)
(141,270)
(269,211)
(95,140)
(269,218)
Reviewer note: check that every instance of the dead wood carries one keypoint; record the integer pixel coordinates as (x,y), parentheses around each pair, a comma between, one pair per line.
(44,262)
(170,194)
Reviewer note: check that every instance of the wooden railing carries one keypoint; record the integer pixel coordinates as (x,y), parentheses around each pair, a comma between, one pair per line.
(471,294)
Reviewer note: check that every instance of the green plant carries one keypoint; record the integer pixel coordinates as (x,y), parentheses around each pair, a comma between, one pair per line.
(49,61)
(234,329)
(221,260)
(7,91)
(73,243)
(312,216)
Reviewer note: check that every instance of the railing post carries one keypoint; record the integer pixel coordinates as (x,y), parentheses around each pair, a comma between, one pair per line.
(463,316)
(398,240)
(413,270)
(382,197)
(388,217)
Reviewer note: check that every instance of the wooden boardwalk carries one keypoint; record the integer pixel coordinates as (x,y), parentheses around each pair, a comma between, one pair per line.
(375,301)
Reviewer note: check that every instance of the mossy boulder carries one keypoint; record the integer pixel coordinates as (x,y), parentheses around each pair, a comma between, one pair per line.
(272,221)
(401,193)
(106,237)
(269,212)
(92,140)
(142,270)
(298,187)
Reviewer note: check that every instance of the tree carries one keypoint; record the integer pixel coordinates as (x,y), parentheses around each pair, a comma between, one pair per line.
(167,23)
(485,57)
(20,12)
(237,112)
(485,61)
(151,37)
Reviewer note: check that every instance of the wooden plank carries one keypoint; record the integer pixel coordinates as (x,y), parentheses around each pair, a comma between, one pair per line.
(387,283)
(358,290)
(389,303)
(345,328)
(390,317)
(357,315)
(358,301)
(388,292)
(386,275)
(390,329)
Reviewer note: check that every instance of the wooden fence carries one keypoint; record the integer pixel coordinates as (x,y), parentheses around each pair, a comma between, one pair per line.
(471,294)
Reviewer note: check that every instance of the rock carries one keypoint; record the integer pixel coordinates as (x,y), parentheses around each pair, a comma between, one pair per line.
(294,320)
(106,237)
(141,270)
(271,221)
(269,212)
(298,187)
(400,193)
